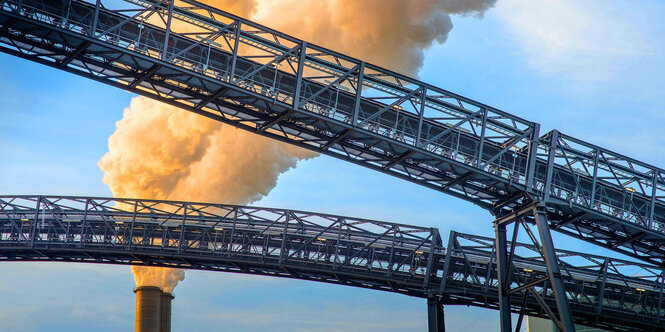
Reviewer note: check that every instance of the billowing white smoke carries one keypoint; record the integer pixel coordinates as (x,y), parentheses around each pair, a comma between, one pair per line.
(160,152)
(165,278)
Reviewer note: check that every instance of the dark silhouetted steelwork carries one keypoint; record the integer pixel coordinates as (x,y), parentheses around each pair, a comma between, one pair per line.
(258,79)
(238,72)
(411,260)
(553,281)
(435,318)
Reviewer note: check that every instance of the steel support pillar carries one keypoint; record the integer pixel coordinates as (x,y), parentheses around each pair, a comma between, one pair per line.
(502,270)
(565,316)
(537,214)
(435,317)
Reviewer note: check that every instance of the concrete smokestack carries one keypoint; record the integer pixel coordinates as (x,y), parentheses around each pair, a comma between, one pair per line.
(165,312)
(148,308)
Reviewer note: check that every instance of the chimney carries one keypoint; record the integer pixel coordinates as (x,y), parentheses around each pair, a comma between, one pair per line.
(148,305)
(165,312)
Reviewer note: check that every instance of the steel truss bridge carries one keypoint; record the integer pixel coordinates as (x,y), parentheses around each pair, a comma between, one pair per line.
(202,59)
(405,259)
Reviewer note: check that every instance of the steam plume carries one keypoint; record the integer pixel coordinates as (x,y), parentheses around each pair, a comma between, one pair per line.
(164,277)
(389,33)
(158,151)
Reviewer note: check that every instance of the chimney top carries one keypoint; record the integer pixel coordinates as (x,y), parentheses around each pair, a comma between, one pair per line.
(148,288)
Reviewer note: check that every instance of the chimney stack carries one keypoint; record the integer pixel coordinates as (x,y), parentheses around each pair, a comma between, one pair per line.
(148,308)
(165,312)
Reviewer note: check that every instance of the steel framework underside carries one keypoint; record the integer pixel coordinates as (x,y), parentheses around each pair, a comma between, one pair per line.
(411,260)
(202,59)
(241,73)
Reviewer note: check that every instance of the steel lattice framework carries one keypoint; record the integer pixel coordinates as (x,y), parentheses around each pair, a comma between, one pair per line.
(236,71)
(241,73)
(411,260)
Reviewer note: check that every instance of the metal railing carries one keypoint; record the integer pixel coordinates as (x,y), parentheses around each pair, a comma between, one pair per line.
(405,259)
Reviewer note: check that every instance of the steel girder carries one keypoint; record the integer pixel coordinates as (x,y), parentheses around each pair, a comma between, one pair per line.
(552,281)
(435,316)
(411,260)
(244,239)
(233,70)
(585,279)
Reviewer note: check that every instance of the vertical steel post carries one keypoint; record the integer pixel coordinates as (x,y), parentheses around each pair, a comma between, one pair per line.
(182,228)
(502,276)
(287,218)
(84,222)
(446,264)
(595,178)
(660,295)
(435,317)
(479,161)
(233,230)
(359,93)
(69,8)
(554,140)
(421,115)
(168,31)
(533,158)
(93,28)
(301,66)
(601,297)
(35,221)
(339,238)
(553,270)
(430,256)
(131,230)
(236,44)
(654,189)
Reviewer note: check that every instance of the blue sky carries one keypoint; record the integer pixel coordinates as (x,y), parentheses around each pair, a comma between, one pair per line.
(594,70)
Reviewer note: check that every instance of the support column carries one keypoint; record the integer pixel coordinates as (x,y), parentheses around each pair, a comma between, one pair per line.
(502,270)
(435,317)
(553,270)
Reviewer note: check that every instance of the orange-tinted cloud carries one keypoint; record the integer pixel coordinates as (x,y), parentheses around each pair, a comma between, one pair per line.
(161,152)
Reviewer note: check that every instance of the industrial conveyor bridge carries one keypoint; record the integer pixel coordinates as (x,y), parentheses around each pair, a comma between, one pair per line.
(412,260)
(230,69)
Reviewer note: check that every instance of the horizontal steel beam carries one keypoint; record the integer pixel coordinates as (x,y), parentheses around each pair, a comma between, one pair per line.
(247,75)
(372,254)
(480,154)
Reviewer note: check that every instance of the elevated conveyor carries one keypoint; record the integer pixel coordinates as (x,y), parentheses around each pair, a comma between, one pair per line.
(244,74)
(405,259)
(202,59)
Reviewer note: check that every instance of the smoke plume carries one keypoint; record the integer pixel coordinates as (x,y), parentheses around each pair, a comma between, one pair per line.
(161,152)
(166,278)
(388,33)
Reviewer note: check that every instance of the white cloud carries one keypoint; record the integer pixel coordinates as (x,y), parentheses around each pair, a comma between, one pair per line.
(583,41)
